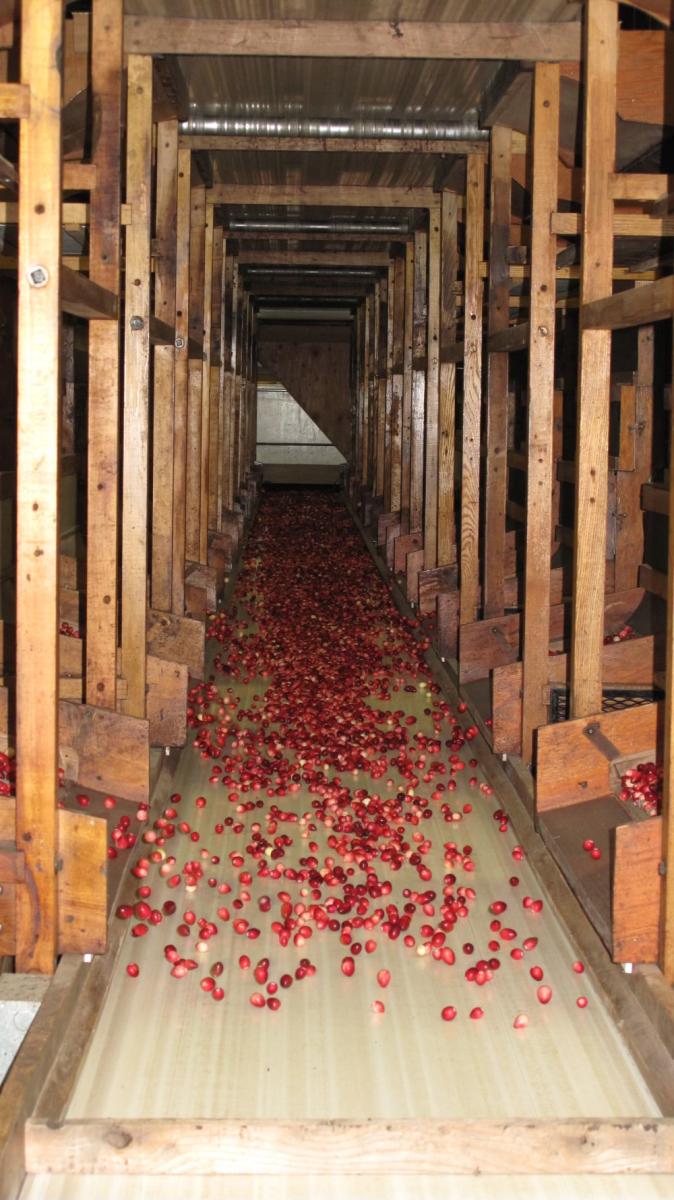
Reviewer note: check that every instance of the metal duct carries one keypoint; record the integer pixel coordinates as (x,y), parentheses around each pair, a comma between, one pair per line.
(237,225)
(307,127)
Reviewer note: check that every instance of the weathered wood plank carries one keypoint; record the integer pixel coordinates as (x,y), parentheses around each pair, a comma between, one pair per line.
(178,639)
(81,888)
(639,305)
(419,347)
(164,356)
(38,472)
(333,196)
(536,41)
(472,391)
(206,383)
(432,449)
(496,467)
(343,145)
(666,955)
(591,498)
(103,466)
(136,432)
(181,381)
(216,395)
(344,1147)
(447,399)
(541,381)
(406,438)
(82,297)
(637,891)
(104,750)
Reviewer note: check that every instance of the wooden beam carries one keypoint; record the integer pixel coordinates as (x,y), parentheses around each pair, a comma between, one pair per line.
(636,306)
(206,384)
(496,473)
(164,356)
(541,388)
(388,385)
(623,225)
(591,496)
(534,41)
(666,956)
(640,187)
(82,297)
(180,381)
(15,101)
(447,400)
(407,389)
(397,368)
(419,347)
(472,392)
(314,258)
(323,195)
(103,465)
(38,478)
(136,430)
(195,374)
(221,1146)
(432,447)
(331,145)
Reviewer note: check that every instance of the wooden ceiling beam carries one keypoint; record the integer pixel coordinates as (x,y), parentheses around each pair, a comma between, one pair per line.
(333,145)
(324,195)
(534,41)
(300,258)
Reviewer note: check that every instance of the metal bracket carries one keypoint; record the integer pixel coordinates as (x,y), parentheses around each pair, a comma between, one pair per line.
(604,745)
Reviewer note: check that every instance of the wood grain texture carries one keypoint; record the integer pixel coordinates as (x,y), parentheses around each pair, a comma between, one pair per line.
(164,356)
(570,767)
(406,438)
(388,386)
(359,39)
(104,750)
(447,397)
(666,955)
(472,391)
(271,1148)
(591,497)
(419,361)
(81,886)
(136,422)
(343,195)
(206,384)
(178,639)
(496,467)
(216,389)
(638,305)
(540,418)
(38,476)
(636,891)
(181,381)
(432,446)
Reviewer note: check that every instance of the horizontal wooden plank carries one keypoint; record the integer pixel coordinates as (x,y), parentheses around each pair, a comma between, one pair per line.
(329,195)
(624,225)
(79,176)
(81,297)
(655,498)
(636,306)
(11,864)
(653,581)
(280,1147)
(334,145)
(105,750)
(516,337)
(313,258)
(14,101)
(636,186)
(178,639)
(71,213)
(535,41)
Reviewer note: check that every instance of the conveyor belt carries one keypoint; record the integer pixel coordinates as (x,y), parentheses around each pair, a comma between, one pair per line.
(164,1048)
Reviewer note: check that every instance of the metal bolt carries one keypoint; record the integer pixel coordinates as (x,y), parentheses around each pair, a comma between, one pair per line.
(0,889)
(543,330)
(179,343)
(136,323)
(38,276)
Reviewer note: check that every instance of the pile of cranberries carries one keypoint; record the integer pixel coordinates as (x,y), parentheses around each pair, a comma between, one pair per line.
(339,783)
(642,785)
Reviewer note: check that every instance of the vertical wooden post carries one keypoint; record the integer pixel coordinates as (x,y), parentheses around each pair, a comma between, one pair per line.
(38,480)
(216,394)
(432,392)
(636,435)
(397,356)
(373,388)
(540,461)
(497,374)
(136,382)
(162,412)
(195,375)
(104,350)
(589,568)
(472,390)
(667,909)
(206,384)
(224,501)
(406,438)
(385,299)
(447,400)
(181,380)
(233,385)
(365,391)
(418,382)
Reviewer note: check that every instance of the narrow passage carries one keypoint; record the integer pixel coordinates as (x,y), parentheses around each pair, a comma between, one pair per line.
(355,931)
